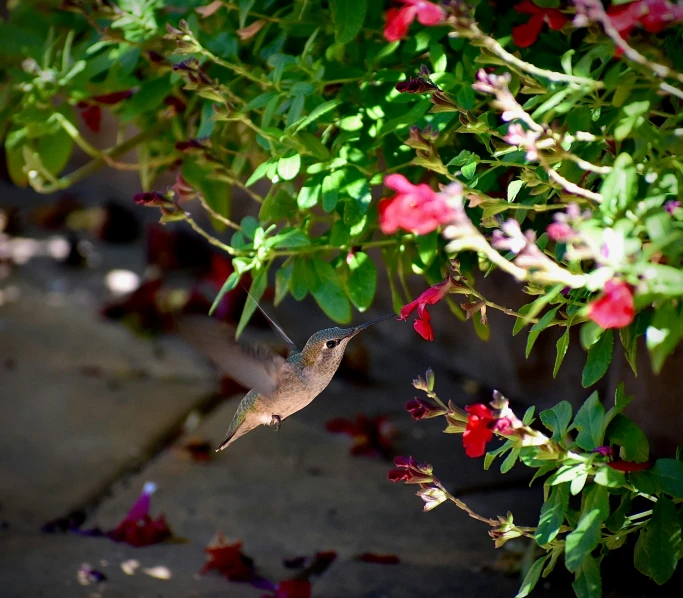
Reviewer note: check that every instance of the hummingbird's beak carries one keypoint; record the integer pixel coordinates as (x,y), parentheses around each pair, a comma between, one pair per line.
(357,329)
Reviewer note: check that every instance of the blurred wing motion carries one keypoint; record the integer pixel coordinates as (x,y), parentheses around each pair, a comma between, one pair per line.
(291,346)
(255,368)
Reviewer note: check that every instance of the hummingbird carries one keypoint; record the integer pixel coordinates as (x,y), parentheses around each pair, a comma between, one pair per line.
(279,386)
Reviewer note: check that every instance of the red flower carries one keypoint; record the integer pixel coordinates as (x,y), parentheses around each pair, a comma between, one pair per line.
(400,19)
(525,35)
(228,560)
(432,295)
(615,308)
(421,409)
(293,588)
(629,465)
(408,470)
(138,528)
(91,114)
(652,15)
(114,97)
(479,429)
(416,208)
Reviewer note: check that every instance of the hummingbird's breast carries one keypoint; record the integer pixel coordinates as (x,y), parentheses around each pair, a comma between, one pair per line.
(299,386)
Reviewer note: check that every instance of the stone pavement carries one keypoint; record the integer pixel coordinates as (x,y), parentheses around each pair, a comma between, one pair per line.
(90,412)
(85,403)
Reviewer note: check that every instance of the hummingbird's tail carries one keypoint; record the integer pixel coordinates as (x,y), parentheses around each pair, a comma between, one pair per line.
(234,434)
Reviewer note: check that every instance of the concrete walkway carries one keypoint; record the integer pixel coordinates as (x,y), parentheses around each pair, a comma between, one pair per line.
(90,412)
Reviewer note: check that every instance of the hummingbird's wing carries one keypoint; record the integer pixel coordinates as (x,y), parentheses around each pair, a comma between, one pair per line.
(255,368)
(291,346)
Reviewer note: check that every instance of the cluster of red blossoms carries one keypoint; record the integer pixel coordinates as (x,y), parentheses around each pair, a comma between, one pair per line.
(431,296)
(481,425)
(526,34)
(415,208)
(652,15)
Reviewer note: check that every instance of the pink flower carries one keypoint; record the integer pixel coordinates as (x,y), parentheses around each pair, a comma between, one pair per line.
(615,308)
(652,15)
(525,35)
(560,232)
(432,295)
(138,528)
(400,19)
(478,431)
(416,208)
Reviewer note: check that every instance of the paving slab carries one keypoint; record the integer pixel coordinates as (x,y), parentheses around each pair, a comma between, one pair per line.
(297,492)
(82,401)
(39,565)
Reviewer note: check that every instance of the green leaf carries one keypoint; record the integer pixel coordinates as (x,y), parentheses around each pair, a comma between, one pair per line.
(610,478)
(288,239)
(258,286)
(309,193)
(557,419)
(328,292)
(626,434)
(667,474)
(532,577)
(331,184)
(657,548)
(663,334)
(552,514)
(566,473)
(521,322)
(302,274)
(509,461)
(621,401)
(427,247)
(620,186)
(588,583)
(282,280)
(562,346)
(348,17)
(599,357)
(633,118)
(629,338)
(317,112)
(469,169)
(244,8)
(362,281)
(229,284)
(539,327)
(590,422)
(289,165)
(260,171)
(617,519)
(513,189)
(586,537)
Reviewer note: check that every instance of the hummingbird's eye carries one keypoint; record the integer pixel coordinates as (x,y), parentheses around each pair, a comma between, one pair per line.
(331,344)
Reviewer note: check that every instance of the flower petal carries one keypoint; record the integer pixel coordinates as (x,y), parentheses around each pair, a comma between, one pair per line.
(429,14)
(525,35)
(398,22)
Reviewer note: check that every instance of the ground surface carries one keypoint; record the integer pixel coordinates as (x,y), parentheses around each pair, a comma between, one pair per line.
(90,412)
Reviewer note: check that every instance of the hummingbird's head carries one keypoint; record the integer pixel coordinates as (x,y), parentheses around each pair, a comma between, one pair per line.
(325,348)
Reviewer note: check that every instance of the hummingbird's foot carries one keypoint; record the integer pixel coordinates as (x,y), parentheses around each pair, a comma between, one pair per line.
(275,422)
